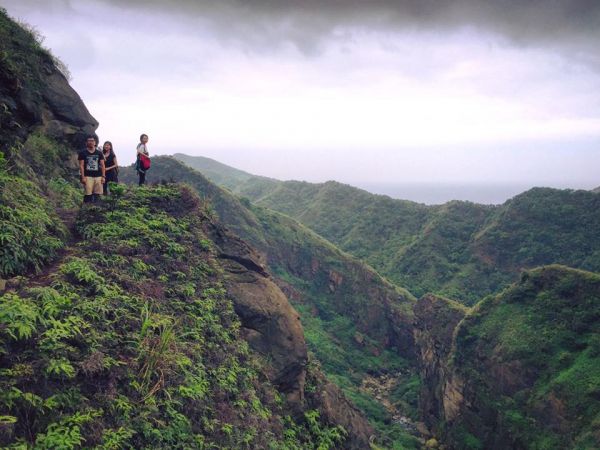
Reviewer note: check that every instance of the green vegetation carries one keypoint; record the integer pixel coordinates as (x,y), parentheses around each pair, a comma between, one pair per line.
(362,306)
(218,173)
(347,363)
(30,231)
(542,335)
(544,226)
(131,341)
(460,250)
(32,194)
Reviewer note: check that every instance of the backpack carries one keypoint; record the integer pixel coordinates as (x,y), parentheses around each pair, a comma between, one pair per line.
(144,162)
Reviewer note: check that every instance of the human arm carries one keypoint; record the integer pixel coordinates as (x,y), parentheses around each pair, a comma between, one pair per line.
(81,171)
(115,164)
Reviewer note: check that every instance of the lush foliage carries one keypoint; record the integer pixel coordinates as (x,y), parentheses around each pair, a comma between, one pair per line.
(30,231)
(131,342)
(532,359)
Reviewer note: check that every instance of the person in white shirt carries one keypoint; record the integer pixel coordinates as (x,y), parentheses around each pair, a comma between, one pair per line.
(142,152)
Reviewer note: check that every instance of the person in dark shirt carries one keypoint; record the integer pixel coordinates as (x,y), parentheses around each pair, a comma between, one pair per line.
(92,170)
(112,167)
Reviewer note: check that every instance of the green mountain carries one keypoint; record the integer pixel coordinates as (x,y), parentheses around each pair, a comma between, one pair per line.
(219,173)
(180,315)
(520,369)
(460,249)
(464,369)
(138,322)
(358,325)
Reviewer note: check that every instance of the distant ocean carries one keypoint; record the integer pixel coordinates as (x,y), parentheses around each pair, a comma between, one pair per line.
(438,193)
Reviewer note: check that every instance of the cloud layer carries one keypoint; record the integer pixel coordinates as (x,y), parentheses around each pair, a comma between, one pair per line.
(568,25)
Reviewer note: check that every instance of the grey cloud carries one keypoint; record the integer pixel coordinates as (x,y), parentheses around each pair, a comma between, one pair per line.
(574,23)
(570,26)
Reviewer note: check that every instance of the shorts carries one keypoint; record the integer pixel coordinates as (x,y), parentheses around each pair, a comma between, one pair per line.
(93,185)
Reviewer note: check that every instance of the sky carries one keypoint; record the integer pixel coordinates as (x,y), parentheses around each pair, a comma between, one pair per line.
(372,92)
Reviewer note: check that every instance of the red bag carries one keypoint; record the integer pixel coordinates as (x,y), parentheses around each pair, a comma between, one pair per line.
(144,162)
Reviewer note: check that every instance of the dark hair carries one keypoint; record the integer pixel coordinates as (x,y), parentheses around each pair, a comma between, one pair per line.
(142,135)
(90,136)
(112,152)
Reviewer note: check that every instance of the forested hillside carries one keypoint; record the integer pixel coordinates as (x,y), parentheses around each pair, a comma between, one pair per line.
(521,369)
(460,249)
(181,315)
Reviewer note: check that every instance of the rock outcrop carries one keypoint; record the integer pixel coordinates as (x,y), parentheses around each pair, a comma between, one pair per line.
(520,370)
(436,319)
(35,95)
(272,326)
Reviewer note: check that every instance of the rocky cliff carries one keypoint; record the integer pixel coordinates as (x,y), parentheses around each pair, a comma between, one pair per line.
(520,370)
(436,319)
(35,96)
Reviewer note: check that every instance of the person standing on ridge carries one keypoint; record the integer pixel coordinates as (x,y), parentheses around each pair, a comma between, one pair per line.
(92,170)
(112,167)
(142,163)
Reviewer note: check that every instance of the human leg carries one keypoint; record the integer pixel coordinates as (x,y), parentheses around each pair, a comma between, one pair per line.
(97,189)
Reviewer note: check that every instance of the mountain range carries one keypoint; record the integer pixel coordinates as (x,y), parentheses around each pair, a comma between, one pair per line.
(461,250)
(278,314)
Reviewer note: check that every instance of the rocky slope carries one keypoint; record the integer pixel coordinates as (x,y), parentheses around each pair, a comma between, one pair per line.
(35,96)
(520,370)
(356,323)
(436,318)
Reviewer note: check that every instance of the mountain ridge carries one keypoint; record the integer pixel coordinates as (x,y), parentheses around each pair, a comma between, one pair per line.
(448,249)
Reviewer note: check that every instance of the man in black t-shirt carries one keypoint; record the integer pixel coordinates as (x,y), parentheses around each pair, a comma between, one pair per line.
(92,170)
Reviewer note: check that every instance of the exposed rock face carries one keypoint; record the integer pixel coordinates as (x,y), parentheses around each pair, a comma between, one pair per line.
(435,321)
(35,95)
(336,409)
(516,372)
(272,326)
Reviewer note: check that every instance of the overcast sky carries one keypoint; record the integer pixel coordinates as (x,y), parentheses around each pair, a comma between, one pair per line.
(466,91)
